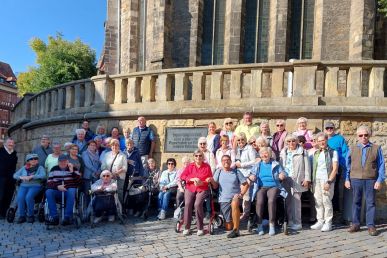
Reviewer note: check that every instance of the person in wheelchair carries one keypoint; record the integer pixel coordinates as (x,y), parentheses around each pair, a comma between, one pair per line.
(232,186)
(63,178)
(268,173)
(103,202)
(32,177)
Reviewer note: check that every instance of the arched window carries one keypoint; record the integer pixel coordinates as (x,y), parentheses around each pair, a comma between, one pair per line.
(213,32)
(142,34)
(256,31)
(301,29)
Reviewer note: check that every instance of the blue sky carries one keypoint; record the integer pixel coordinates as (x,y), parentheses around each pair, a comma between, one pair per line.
(23,20)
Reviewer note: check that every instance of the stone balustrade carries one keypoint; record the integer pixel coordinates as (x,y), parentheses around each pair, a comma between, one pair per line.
(214,89)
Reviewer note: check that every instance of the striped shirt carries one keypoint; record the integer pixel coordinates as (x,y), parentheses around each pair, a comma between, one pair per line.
(58,175)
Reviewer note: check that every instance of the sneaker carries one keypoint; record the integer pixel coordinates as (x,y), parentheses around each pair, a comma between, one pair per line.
(200,232)
(233,234)
(111,218)
(296,227)
(327,227)
(30,219)
(372,231)
(97,220)
(186,232)
(161,215)
(21,220)
(317,226)
(271,229)
(206,219)
(260,230)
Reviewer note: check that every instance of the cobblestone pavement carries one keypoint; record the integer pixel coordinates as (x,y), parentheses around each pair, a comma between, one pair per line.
(158,239)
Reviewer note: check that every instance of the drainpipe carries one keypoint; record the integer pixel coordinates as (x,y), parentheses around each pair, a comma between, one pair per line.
(118,36)
(290,81)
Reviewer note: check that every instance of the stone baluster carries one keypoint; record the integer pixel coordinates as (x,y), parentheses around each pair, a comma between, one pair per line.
(216,85)
(164,87)
(331,82)
(42,98)
(47,106)
(354,82)
(120,91)
(148,88)
(89,93)
(376,84)
(33,107)
(198,92)
(304,80)
(236,85)
(277,82)
(69,97)
(54,100)
(256,84)
(104,90)
(77,95)
(61,95)
(181,86)
(134,90)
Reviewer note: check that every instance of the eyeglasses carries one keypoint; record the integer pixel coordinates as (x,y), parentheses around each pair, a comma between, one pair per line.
(362,135)
(202,143)
(291,141)
(105,176)
(34,159)
(229,123)
(279,125)
(171,163)
(329,128)
(198,156)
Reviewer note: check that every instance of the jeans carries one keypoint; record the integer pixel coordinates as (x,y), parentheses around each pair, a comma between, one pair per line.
(26,195)
(164,198)
(53,195)
(366,186)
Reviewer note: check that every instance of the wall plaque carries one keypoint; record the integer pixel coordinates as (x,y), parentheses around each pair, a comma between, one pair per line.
(183,139)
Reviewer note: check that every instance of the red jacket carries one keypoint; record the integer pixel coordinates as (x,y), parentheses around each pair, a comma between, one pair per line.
(191,171)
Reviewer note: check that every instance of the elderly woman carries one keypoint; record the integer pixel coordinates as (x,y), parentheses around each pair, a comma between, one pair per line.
(279,136)
(104,202)
(228,129)
(244,161)
(31,176)
(101,132)
(75,159)
(80,140)
(115,134)
(262,142)
(265,131)
(167,187)
(269,173)
(196,176)
(92,166)
(116,162)
(212,138)
(135,167)
(225,149)
(294,159)
(52,159)
(154,173)
(209,157)
(302,124)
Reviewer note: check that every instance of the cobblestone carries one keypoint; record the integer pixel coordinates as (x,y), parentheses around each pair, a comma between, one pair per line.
(153,239)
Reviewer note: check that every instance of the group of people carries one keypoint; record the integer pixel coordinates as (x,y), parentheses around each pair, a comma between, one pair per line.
(246,163)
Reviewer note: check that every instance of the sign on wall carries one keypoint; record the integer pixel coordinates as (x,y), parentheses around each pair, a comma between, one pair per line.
(183,139)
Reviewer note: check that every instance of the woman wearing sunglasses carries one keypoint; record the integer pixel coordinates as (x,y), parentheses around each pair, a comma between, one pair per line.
(31,176)
(295,160)
(167,187)
(228,129)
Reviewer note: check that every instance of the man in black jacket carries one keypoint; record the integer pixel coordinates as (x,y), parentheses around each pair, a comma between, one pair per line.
(8,160)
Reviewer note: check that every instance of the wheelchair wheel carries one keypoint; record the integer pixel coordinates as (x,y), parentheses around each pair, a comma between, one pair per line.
(83,207)
(11,212)
(285,228)
(211,229)
(218,221)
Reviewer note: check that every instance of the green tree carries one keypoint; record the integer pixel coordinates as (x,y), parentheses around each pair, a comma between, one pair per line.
(59,61)
(383,7)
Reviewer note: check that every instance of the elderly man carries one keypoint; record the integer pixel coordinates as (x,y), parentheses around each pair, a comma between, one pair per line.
(365,175)
(89,134)
(62,179)
(80,140)
(278,142)
(43,150)
(8,160)
(232,186)
(247,127)
(144,139)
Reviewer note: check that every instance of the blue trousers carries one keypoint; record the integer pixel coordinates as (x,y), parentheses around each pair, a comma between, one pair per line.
(53,195)
(26,195)
(366,186)
(164,198)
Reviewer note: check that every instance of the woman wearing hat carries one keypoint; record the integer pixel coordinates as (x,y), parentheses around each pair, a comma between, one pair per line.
(103,202)
(31,176)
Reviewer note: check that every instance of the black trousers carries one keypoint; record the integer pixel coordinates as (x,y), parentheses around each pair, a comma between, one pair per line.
(7,187)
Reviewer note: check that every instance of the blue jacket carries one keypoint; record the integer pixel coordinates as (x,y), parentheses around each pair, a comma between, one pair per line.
(136,168)
(338,143)
(39,176)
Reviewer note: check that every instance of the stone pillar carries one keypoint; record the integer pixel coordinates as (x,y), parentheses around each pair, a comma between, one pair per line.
(104,90)
(77,95)
(61,92)
(354,82)
(195,10)
(362,29)
(331,82)
(42,104)
(198,86)
(277,82)
(304,81)
(236,84)
(181,86)
(54,100)
(216,85)
(89,93)
(148,88)
(164,87)
(318,29)
(377,82)
(256,84)
(134,90)
(232,35)
(120,91)
(278,30)
(47,103)
(69,97)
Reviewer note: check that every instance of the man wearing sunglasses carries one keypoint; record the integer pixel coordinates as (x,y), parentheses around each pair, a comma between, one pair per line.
(365,174)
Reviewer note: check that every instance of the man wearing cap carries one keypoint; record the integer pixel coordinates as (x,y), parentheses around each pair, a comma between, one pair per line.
(43,150)
(63,178)
(8,160)
(337,142)
(365,175)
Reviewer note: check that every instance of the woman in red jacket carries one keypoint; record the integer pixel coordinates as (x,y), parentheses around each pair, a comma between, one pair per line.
(196,176)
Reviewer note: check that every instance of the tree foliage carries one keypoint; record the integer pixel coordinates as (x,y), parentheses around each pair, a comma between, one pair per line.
(383,7)
(59,61)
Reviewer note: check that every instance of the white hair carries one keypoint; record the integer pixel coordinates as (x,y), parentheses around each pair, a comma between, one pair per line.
(80,131)
(363,128)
